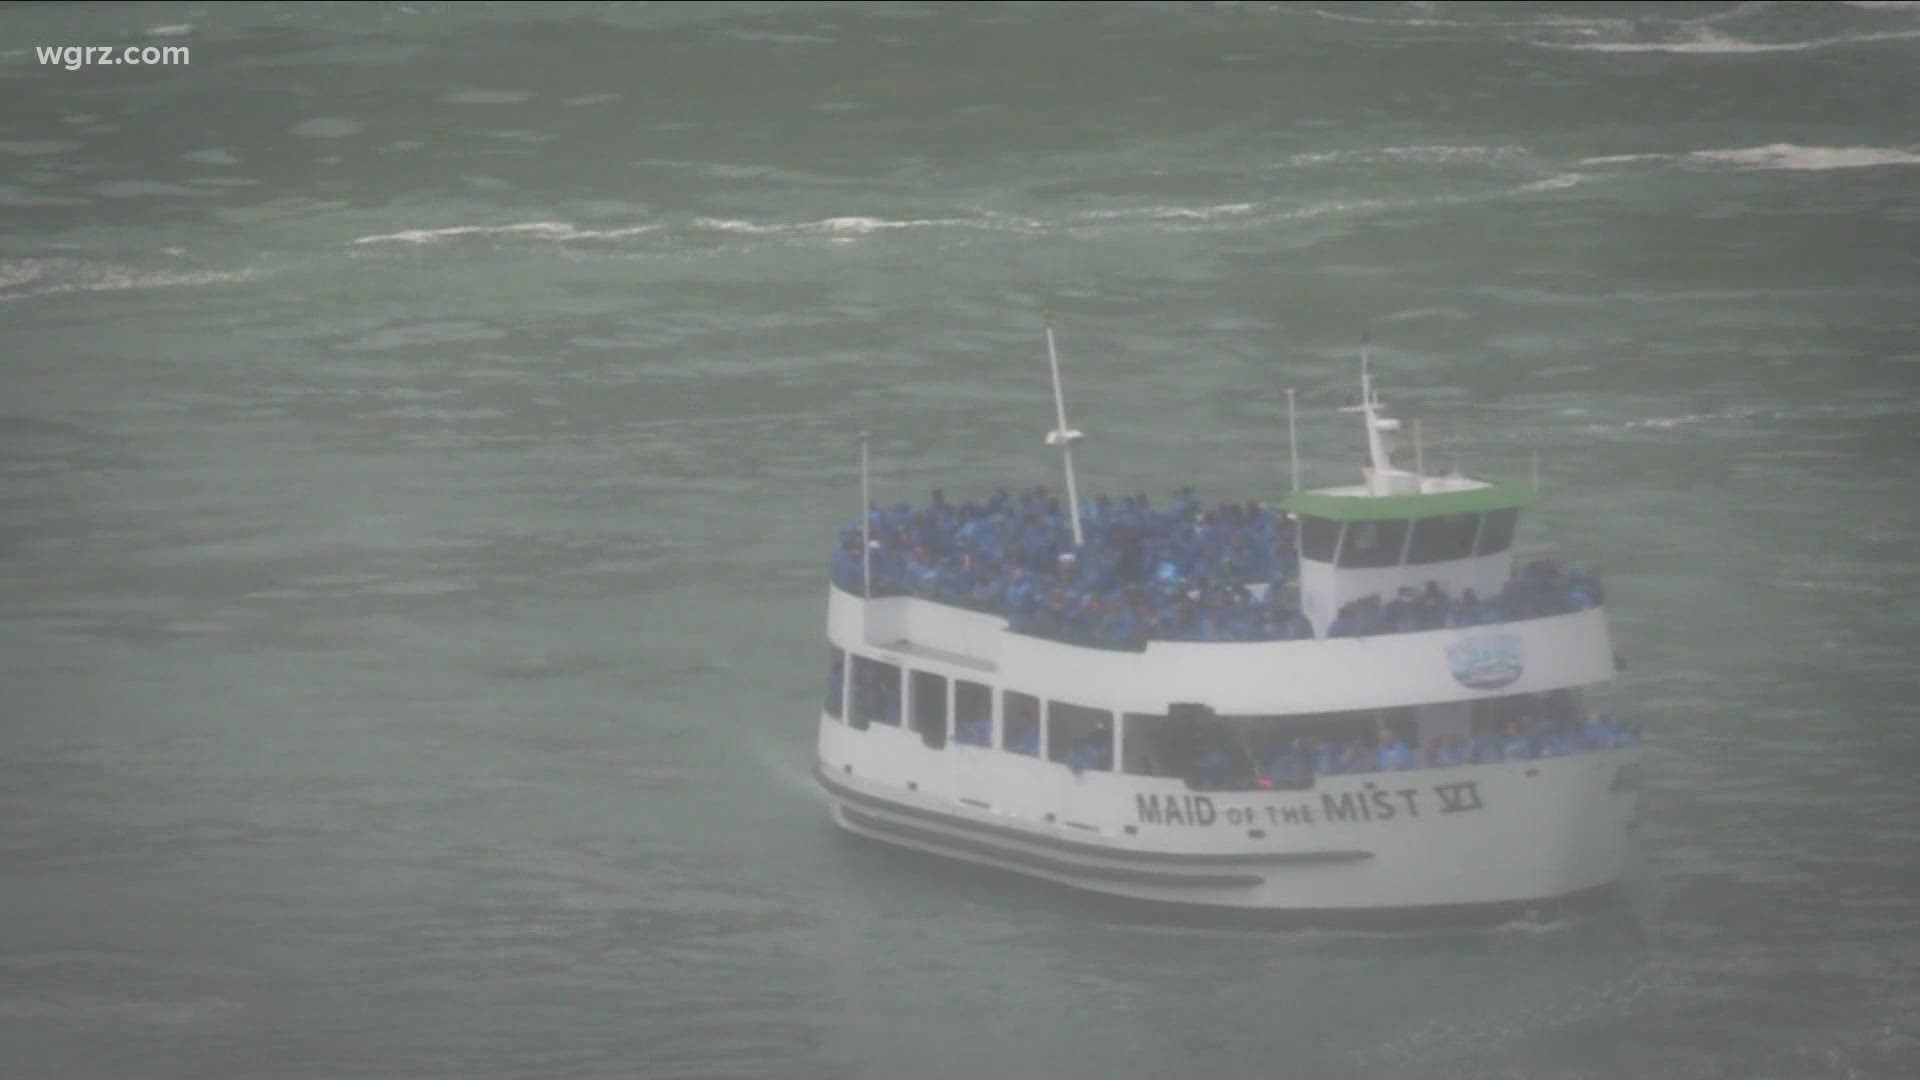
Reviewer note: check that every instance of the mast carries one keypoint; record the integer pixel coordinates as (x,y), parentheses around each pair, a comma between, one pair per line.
(1063,436)
(1379,443)
(866,521)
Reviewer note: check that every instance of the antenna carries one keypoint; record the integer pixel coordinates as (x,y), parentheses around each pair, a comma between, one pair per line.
(1063,435)
(1293,444)
(1379,445)
(866,521)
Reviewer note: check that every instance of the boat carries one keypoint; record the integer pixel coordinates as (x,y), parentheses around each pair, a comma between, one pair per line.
(1351,700)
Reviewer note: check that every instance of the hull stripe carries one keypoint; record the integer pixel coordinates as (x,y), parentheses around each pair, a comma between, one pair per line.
(1039,861)
(1079,847)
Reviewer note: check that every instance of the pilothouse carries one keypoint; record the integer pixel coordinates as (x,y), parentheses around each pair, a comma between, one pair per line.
(1349,700)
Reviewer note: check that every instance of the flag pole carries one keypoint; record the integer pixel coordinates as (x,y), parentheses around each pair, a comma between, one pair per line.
(1293,444)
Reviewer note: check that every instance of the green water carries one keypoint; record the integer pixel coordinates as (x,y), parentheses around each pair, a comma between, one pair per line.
(423,429)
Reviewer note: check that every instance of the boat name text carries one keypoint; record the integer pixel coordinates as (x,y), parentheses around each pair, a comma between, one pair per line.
(1370,803)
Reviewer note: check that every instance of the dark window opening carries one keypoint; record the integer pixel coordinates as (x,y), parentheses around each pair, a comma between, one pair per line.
(876,693)
(1318,538)
(1079,737)
(1373,543)
(1020,718)
(1443,539)
(928,702)
(836,680)
(972,713)
(1138,756)
(1496,535)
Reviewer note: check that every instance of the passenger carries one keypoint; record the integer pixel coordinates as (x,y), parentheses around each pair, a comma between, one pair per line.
(1516,747)
(1215,770)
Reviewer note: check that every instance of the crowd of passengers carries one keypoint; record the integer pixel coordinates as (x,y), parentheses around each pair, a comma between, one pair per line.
(1541,588)
(1222,767)
(1179,572)
(1525,739)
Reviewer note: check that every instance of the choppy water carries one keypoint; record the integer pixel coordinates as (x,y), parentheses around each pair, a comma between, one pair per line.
(422,428)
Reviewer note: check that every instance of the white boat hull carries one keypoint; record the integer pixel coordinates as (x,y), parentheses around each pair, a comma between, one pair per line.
(1494,836)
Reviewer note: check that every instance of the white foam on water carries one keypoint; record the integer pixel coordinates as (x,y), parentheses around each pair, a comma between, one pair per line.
(547,230)
(1884,5)
(1555,183)
(836,226)
(215,156)
(1786,156)
(1170,213)
(1704,41)
(1434,154)
(1814,158)
(120,279)
(20,272)
(173,30)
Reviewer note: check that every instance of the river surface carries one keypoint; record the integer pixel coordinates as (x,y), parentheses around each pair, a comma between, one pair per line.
(423,429)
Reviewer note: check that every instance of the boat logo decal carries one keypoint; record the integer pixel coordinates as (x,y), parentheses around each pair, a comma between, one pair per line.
(1485,661)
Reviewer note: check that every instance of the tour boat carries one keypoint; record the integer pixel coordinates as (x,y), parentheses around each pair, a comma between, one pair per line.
(1302,749)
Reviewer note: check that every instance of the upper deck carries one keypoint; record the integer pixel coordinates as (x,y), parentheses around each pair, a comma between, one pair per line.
(1264,677)
(1397,591)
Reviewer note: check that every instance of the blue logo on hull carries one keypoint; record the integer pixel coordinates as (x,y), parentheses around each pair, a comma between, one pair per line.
(1485,661)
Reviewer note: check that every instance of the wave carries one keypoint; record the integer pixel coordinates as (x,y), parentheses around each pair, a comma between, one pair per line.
(552,230)
(1231,215)
(110,279)
(1817,158)
(835,226)
(1787,156)
(1431,155)
(1711,42)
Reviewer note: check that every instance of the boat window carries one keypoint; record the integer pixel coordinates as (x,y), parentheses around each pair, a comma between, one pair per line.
(1080,738)
(1020,716)
(1139,755)
(1318,538)
(972,713)
(1496,535)
(1442,539)
(1373,543)
(836,680)
(876,692)
(928,707)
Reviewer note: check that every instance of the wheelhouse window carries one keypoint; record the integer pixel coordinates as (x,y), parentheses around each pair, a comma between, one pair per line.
(1318,539)
(1373,543)
(1496,535)
(1442,539)
(1020,717)
(928,707)
(1079,737)
(972,713)
(836,680)
(876,692)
